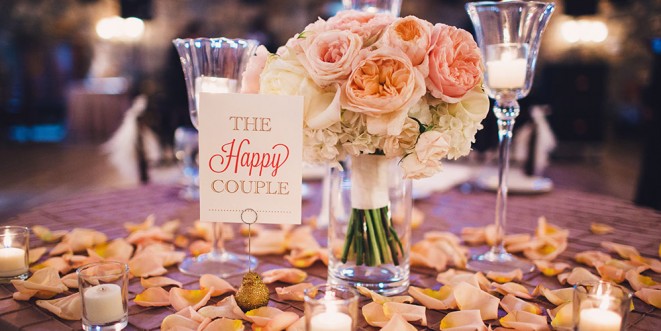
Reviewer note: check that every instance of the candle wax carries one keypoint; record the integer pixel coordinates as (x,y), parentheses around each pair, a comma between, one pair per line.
(507,73)
(103,304)
(330,321)
(12,262)
(595,319)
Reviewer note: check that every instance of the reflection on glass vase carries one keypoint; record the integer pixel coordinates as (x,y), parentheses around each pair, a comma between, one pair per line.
(369,231)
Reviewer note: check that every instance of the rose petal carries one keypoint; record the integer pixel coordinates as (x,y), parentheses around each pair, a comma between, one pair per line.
(153,297)
(525,321)
(45,234)
(147,265)
(546,230)
(181,298)
(463,320)
(473,235)
(556,297)
(117,250)
(171,226)
(159,282)
(227,308)
(562,316)
(551,269)
(611,273)
(425,254)
(263,315)
(378,298)
(639,282)
(650,296)
(176,322)
(548,248)
(281,321)
(220,285)
(35,254)
(78,240)
(43,284)
(653,264)
(190,312)
(59,263)
(293,292)
(442,299)
(225,324)
(624,251)
(504,277)
(374,314)
(398,323)
(470,297)
(453,277)
(577,275)
(181,241)
(146,224)
(199,247)
(269,242)
(303,258)
(601,228)
(286,275)
(411,313)
(154,234)
(70,280)
(68,308)
(301,238)
(511,304)
(515,289)
(592,258)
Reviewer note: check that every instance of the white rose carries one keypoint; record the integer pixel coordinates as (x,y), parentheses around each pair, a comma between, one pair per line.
(414,168)
(432,145)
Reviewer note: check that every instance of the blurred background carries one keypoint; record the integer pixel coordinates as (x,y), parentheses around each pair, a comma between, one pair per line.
(70,70)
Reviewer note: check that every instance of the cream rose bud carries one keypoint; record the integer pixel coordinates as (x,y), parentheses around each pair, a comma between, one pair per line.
(432,145)
(410,34)
(328,55)
(383,85)
(414,168)
(284,75)
(454,63)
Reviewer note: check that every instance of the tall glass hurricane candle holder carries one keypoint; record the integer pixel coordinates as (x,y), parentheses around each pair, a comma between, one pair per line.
(214,65)
(509,34)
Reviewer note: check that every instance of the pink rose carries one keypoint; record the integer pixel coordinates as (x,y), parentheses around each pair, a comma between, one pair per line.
(327,56)
(410,34)
(367,25)
(454,63)
(383,86)
(254,68)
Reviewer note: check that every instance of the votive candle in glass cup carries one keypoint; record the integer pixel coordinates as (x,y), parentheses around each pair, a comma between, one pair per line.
(600,306)
(331,308)
(14,250)
(104,289)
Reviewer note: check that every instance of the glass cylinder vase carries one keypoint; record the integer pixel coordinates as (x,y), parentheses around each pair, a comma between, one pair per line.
(369,231)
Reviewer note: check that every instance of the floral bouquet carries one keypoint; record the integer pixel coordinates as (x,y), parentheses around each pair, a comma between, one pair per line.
(378,85)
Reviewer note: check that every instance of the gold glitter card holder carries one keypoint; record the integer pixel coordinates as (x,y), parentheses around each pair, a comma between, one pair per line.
(250,158)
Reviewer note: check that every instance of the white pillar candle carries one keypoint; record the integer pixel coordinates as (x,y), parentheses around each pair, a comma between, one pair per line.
(331,321)
(103,303)
(507,73)
(595,319)
(12,262)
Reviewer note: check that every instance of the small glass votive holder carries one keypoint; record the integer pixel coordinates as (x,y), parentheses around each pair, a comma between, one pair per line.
(331,308)
(14,250)
(600,306)
(392,7)
(104,289)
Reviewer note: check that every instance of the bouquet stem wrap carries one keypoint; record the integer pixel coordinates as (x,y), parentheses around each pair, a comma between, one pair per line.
(371,238)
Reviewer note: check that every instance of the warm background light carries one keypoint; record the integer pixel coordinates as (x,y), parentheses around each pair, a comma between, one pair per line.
(122,29)
(587,31)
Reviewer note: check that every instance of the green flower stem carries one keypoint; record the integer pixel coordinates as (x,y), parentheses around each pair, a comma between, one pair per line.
(371,238)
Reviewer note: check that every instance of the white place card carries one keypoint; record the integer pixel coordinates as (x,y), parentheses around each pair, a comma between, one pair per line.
(250,157)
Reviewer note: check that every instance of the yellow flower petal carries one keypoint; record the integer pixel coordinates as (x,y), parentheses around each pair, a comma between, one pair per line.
(181,298)
(442,299)
(146,224)
(601,228)
(45,234)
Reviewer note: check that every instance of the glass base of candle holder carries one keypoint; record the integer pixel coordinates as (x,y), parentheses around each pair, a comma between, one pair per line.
(222,264)
(6,279)
(113,326)
(498,261)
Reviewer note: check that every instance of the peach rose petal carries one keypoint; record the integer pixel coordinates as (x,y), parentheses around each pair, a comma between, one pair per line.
(146,224)
(550,269)
(299,325)
(592,258)
(303,258)
(199,247)
(279,322)
(504,277)
(220,285)
(470,297)
(525,321)
(68,308)
(548,248)
(285,275)
(441,299)
(57,262)
(463,320)
(381,299)
(181,241)
(45,234)
(181,298)
(624,251)
(639,282)
(43,284)
(78,240)
(159,282)
(227,308)
(171,226)
(154,234)
(562,316)
(269,242)
(515,289)
(411,313)
(225,324)
(147,265)
(176,322)
(153,297)
(398,323)
(546,229)
(611,273)
(516,238)
(625,265)
(301,238)
(473,235)
(453,277)
(293,292)
(577,275)
(70,280)
(36,253)
(424,254)
(374,314)
(190,312)
(601,228)
(511,304)
(556,297)
(263,315)
(651,263)
(650,296)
